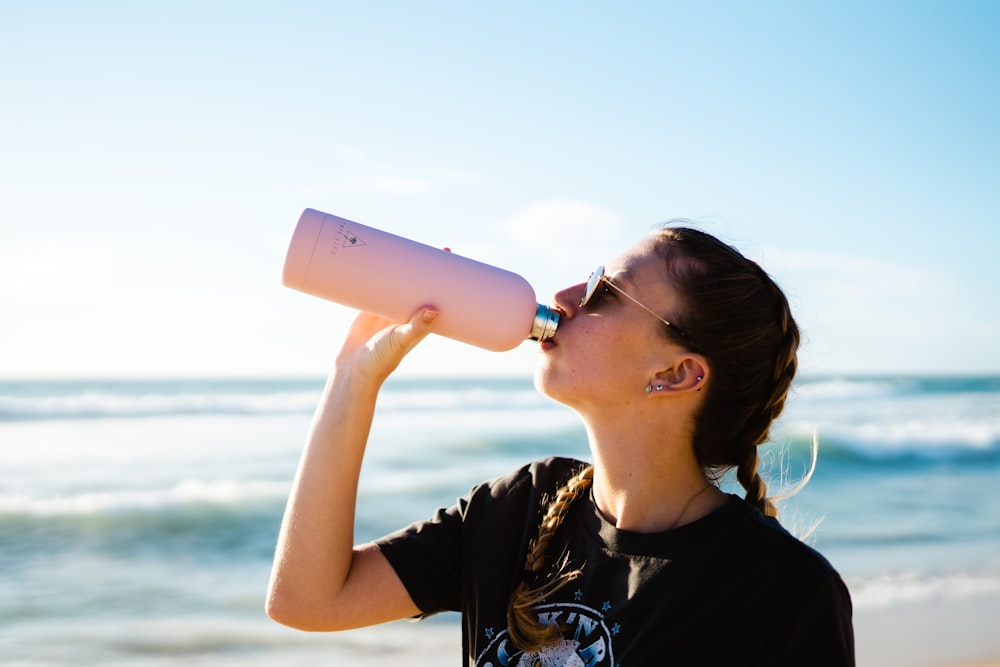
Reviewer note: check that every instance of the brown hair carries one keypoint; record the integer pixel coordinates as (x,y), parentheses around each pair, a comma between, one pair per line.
(739,319)
(523,626)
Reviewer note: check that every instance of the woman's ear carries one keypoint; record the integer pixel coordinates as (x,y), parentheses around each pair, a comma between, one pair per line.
(689,373)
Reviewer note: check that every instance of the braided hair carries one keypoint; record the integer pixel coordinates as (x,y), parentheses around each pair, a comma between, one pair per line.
(523,626)
(739,319)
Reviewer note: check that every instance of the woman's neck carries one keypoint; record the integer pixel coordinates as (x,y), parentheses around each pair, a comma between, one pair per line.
(649,485)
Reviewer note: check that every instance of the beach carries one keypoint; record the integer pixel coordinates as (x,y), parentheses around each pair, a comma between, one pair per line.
(938,633)
(138,518)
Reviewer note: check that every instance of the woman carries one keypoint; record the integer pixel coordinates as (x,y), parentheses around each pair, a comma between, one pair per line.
(678,356)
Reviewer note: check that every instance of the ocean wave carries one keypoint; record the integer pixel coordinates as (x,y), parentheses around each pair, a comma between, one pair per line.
(852,389)
(889,443)
(122,400)
(912,440)
(186,493)
(467,398)
(100,405)
(889,590)
(942,420)
(867,388)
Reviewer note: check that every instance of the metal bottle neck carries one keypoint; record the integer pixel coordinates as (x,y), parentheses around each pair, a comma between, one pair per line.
(544,326)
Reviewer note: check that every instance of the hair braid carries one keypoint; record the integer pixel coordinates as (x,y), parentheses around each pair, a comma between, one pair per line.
(523,626)
(758,426)
(741,321)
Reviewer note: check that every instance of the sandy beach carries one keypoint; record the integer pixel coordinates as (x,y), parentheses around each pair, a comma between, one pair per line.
(933,633)
(944,632)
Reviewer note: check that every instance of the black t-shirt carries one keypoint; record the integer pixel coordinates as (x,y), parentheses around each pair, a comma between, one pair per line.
(733,588)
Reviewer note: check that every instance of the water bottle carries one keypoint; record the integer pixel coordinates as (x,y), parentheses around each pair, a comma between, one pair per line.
(388,275)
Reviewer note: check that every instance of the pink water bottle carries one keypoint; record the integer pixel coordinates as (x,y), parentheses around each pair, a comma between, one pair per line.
(391,276)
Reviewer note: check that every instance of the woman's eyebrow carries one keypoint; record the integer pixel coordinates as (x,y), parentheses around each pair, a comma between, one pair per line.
(623,278)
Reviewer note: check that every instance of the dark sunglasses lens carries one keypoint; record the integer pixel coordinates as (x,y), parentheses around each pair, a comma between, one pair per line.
(592,285)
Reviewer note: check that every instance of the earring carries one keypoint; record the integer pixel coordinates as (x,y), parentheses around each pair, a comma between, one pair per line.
(649,389)
(700,378)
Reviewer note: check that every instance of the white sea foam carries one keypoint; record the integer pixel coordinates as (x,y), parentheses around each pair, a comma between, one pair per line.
(126,401)
(470,398)
(849,389)
(918,423)
(96,404)
(930,438)
(889,590)
(222,492)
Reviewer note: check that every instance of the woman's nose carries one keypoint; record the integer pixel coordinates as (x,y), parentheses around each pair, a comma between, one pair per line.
(568,299)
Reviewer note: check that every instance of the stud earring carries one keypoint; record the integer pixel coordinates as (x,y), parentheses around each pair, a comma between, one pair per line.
(700,378)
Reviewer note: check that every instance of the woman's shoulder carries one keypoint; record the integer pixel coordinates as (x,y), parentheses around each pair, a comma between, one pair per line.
(765,540)
(523,490)
(544,475)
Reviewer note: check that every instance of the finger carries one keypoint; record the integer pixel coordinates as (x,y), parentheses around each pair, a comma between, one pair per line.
(416,329)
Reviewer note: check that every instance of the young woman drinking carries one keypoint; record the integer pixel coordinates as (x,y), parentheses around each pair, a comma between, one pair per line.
(678,356)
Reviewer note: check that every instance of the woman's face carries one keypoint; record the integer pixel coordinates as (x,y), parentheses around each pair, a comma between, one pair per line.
(608,351)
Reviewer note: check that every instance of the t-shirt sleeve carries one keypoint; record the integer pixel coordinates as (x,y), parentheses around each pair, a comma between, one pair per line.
(482,537)
(427,558)
(819,633)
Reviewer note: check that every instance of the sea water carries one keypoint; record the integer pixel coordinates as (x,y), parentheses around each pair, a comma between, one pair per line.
(138,518)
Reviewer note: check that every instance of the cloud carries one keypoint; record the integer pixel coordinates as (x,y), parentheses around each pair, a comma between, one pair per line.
(53,273)
(564,228)
(840,272)
(360,173)
(879,314)
(865,294)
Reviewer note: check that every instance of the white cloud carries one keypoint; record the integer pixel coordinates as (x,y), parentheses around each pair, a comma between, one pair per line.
(51,272)
(557,240)
(562,223)
(368,175)
(878,314)
(564,228)
(839,271)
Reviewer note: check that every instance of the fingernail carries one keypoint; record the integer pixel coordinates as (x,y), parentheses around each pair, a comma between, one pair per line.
(428,315)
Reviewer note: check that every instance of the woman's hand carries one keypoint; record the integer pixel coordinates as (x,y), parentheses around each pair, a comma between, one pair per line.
(375,346)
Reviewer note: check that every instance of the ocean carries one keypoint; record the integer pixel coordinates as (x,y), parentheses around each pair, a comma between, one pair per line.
(138,518)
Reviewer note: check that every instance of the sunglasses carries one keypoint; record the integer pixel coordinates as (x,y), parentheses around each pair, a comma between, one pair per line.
(597,279)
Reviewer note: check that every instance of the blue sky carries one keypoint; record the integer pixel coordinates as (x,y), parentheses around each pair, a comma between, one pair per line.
(155,158)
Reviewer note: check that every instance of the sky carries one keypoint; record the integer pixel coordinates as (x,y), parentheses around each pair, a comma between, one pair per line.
(154,158)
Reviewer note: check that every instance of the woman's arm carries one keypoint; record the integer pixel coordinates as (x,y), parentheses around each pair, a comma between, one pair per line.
(319,580)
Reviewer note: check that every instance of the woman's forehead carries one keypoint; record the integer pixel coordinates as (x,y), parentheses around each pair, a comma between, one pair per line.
(634,258)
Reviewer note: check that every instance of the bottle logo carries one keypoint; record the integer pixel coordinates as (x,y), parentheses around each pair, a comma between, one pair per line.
(351,240)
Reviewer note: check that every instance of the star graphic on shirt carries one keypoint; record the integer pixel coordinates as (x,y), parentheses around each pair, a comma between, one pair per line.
(578,595)
(489,633)
(616,628)
(606,606)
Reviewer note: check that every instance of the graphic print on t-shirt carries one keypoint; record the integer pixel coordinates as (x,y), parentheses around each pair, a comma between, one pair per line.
(586,640)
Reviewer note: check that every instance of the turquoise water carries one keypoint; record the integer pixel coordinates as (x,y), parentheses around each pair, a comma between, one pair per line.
(138,518)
